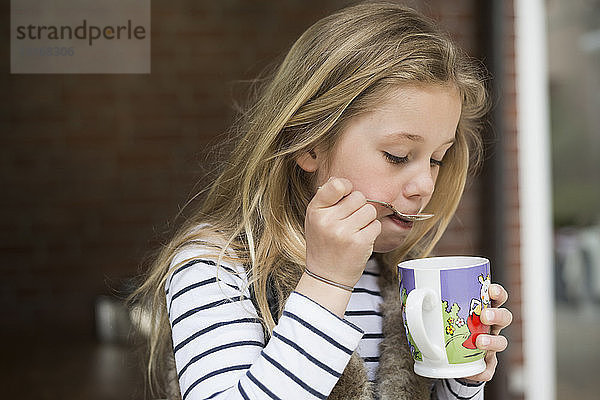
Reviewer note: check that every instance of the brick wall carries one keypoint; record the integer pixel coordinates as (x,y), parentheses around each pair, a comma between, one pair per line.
(511,184)
(95,167)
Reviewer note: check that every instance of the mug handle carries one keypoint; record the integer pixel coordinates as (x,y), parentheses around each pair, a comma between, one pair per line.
(419,303)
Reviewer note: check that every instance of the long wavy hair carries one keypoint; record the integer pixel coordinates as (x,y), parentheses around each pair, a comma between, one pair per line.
(339,68)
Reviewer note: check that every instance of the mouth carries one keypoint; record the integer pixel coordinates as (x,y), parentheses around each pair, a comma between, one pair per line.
(402,222)
(418,216)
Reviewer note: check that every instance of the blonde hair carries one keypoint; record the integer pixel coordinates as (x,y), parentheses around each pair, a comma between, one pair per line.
(340,67)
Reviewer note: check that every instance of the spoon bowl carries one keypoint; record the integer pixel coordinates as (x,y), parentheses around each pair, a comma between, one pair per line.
(409,217)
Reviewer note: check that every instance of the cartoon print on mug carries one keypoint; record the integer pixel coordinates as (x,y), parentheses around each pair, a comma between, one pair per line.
(407,283)
(474,323)
(461,312)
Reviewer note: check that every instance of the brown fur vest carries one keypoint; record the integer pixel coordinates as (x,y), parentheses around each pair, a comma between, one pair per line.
(395,377)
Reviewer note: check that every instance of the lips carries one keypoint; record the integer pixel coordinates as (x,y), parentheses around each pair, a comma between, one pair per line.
(403,223)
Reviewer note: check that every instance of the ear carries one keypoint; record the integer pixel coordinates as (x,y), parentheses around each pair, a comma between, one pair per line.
(308,161)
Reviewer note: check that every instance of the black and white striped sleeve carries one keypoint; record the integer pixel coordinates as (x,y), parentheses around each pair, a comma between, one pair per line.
(219,343)
(455,389)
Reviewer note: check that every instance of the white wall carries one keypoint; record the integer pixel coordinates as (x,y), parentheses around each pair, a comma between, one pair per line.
(538,375)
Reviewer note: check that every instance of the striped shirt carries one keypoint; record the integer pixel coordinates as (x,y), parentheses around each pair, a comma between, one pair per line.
(220,349)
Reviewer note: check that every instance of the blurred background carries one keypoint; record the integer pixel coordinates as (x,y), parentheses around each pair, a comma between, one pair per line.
(96,167)
(574,84)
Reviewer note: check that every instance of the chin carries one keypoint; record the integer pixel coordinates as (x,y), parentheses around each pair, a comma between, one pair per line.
(385,246)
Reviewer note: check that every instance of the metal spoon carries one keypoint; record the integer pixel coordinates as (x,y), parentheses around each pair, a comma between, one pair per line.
(410,217)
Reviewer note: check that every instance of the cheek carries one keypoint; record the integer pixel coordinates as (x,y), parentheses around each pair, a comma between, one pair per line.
(365,176)
(435,174)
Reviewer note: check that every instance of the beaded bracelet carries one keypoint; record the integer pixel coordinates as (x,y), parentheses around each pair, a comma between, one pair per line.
(327,281)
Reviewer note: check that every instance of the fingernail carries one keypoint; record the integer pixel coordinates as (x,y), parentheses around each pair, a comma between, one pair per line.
(495,290)
(489,315)
(484,341)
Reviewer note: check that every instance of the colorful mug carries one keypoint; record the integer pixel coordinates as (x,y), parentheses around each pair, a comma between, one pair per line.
(443,298)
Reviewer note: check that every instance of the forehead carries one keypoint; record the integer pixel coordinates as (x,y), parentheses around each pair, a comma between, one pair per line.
(416,98)
(415,113)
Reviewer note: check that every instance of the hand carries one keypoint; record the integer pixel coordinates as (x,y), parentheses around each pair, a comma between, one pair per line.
(340,228)
(498,319)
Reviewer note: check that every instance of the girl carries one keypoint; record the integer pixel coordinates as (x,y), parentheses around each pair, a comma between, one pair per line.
(284,284)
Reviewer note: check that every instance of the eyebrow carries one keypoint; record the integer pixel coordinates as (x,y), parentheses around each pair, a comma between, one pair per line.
(410,136)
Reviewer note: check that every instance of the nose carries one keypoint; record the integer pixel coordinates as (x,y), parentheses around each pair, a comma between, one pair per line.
(420,184)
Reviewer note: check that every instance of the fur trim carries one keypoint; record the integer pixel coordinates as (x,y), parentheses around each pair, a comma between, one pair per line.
(395,376)
(353,384)
(171,383)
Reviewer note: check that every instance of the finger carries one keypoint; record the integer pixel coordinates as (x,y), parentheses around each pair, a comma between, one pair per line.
(491,362)
(350,204)
(495,343)
(331,192)
(362,217)
(498,294)
(497,318)
(370,232)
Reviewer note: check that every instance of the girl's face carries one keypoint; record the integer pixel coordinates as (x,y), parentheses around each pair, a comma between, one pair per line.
(395,152)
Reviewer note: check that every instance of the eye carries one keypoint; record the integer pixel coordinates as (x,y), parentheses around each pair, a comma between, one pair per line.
(436,163)
(395,159)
